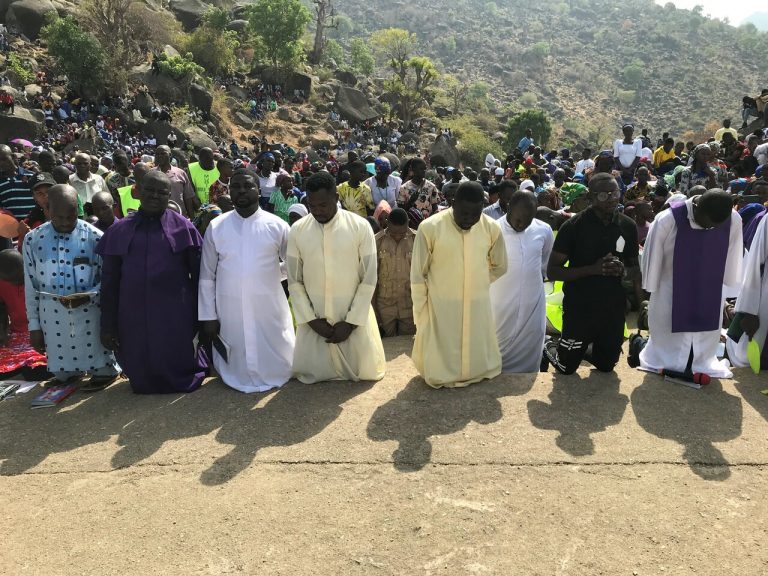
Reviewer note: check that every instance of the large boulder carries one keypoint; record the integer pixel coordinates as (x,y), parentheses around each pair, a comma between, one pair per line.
(239,26)
(353,105)
(444,152)
(238,93)
(28,16)
(199,138)
(32,90)
(22,124)
(346,77)
(144,103)
(288,82)
(189,12)
(4,4)
(242,119)
(160,131)
(288,115)
(161,86)
(200,97)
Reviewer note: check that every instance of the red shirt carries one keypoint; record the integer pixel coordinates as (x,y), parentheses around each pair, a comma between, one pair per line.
(13,298)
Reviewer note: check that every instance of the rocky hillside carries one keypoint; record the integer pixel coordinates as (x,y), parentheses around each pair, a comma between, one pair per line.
(586,62)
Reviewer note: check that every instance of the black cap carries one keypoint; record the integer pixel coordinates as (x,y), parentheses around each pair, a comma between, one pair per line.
(40,179)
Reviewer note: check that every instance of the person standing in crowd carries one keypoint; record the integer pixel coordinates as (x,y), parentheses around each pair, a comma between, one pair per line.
(241,300)
(15,186)
(331,279)
(499,208)
(85,182)
(526,141)
(221,186)
(64,272)
(103,206)
(182,192)
(698,172)
(267,178)
(203,174)
(598,244)
(283,198)
(517,298)
(128,196)
(383,185)
(120,176)
(149,293)
(457,254)
(392,299)
(627,152)
(354,194)
(691,264)
(752,304)
(586,162)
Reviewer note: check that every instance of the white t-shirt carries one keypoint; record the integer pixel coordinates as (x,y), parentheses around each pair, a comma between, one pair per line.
(647,152)
(585,164)
(627,152)
(268,184)
(761,154)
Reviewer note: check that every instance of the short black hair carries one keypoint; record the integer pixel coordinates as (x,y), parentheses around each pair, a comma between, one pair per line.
(398,217)
(321,181)
(717,204)
(223,162)
(471,192)
(357,164)
(525,198)
(505,185)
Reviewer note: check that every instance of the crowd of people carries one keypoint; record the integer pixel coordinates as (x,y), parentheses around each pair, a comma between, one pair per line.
(161,263)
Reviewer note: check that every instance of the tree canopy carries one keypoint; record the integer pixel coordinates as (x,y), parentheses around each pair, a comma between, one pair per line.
(279,26)
(536,120)
(78,54)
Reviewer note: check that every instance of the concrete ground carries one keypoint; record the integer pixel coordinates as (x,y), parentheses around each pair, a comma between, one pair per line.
(590,474)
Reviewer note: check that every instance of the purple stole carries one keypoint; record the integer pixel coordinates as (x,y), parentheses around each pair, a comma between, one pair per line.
(697,274)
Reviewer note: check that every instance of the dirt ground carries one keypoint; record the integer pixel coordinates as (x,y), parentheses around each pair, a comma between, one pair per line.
(528,475)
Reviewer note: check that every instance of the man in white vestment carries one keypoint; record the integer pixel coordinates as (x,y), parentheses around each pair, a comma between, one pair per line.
(517,298)
(691,264)
(752,303)
(240,298)
(332,264)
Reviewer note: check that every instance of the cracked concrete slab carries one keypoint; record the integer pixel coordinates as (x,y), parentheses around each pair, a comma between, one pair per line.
(540,474)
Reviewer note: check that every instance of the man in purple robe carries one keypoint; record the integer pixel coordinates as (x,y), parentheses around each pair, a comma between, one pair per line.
(149,293)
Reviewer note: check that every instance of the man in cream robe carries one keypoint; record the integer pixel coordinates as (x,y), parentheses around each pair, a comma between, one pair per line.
(331,278)
(456,256)
(240,297)
(691,264)
(752,302)
(517,298)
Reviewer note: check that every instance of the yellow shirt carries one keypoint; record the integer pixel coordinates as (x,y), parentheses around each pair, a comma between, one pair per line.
(356,200)
(661,156)
(451,274)
(202,180)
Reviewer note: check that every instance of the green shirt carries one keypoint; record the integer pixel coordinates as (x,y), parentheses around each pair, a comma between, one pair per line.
(282,204)
(202,180)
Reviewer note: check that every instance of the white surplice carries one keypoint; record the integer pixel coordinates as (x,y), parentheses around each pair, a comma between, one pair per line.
(753,298)
(517,298)
(240,287)
(665,349)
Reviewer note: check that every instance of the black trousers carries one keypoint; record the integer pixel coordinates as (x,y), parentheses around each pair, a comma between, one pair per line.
(602,326)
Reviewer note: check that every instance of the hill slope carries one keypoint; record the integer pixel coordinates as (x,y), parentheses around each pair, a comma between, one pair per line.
(586,62)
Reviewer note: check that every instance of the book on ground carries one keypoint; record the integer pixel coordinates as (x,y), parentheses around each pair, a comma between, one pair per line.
(53,396)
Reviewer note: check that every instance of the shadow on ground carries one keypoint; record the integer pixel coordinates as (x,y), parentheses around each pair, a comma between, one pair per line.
(694,418)
(579,408)
(418,413)
(142,424)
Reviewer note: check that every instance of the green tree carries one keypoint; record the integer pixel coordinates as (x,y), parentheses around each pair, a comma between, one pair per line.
(536,120)
(333,51)
(417,86)
(216,18)
(77,53)
(394,47)
(360,57)
(633,75)
(213,49)
(456,92)
(343,29)
(279,26)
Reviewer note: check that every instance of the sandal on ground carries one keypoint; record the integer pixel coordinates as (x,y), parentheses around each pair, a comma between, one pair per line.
(98,383)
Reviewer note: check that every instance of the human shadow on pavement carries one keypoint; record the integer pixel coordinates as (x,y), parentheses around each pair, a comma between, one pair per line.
(291,415)
(750,386)
(419,412)
(579,408)
(694,418)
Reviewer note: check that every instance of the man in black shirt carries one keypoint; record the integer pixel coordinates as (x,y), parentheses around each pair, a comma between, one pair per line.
(598,244)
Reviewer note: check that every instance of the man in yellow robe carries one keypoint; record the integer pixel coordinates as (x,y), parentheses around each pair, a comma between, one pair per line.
(458,253)
(331,278)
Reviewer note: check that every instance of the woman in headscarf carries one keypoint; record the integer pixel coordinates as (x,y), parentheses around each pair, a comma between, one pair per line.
(698,172)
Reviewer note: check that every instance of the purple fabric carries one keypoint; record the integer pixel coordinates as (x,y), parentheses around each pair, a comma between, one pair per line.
(697,275)
(751,228)
(149,281)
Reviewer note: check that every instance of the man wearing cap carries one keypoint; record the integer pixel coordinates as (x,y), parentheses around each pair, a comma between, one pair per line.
(383,185)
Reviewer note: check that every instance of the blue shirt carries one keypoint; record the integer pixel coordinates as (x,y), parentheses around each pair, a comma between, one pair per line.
(524,143)
(16,193)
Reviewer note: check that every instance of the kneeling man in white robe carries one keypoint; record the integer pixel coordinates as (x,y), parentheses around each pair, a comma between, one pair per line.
(517,298)
(692,263)
(240,298)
